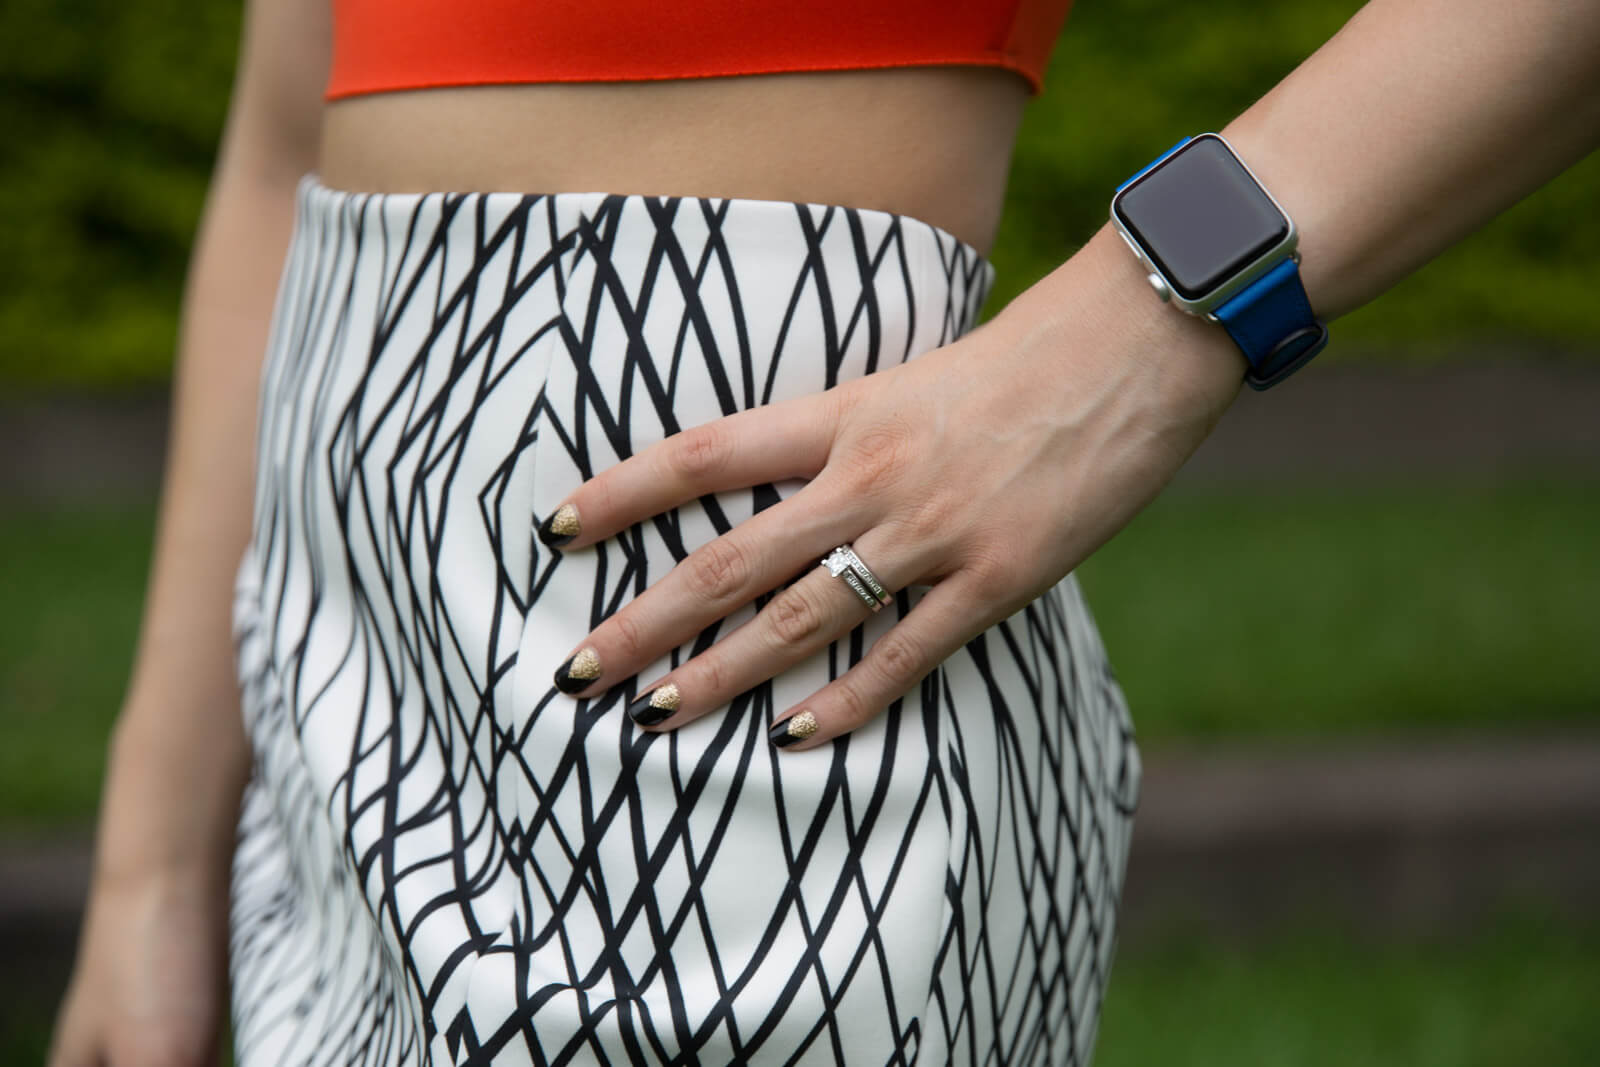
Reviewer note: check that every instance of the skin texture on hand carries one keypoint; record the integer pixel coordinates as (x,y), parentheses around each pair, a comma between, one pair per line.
(986,469)
(148,987)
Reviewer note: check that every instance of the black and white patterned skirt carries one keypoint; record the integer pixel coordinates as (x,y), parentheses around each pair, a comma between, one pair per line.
(442,858)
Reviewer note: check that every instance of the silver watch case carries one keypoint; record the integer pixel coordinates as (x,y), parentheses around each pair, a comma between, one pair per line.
(1207,303)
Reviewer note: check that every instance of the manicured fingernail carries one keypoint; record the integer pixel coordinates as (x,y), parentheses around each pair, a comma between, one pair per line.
(654,706)
(561,527)
(794,729)
(580,670)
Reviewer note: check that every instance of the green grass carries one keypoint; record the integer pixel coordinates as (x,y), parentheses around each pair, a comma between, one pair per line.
(74,583)
(1242,613)
(1333,609)
(1520,993)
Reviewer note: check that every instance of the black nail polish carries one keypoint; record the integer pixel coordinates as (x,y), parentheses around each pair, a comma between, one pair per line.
(579,672)
(655,706)
(793,730)
(561,527)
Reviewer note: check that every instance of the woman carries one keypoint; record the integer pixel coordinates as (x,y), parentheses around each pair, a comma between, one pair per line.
(544,795)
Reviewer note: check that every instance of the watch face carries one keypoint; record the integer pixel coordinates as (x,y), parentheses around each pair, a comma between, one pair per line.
(1200,217)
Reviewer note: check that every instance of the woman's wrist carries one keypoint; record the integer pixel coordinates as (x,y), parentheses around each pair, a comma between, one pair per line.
(1099,305)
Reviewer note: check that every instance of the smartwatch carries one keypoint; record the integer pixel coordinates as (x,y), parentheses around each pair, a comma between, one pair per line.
(1217,245)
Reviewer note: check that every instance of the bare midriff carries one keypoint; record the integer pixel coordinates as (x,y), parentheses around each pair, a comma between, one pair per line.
(933,143)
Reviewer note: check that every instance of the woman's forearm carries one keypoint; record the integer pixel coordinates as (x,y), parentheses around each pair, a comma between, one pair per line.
(179,759)
(1414,125)
(1417,123)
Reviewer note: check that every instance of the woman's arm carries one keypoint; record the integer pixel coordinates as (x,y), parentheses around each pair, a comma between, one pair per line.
(182,701)
(150,969)
(1413,126)
(1416,124)
(993,466)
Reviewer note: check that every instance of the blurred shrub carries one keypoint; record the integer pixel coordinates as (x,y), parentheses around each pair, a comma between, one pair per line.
(111,113)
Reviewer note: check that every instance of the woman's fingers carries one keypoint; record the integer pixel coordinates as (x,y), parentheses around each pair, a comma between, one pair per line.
(775,443)
(753,447)
(940,623)
(801,619)
(798,621)
(711,583)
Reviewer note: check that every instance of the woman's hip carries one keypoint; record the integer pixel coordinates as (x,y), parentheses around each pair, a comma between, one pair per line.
(445,368)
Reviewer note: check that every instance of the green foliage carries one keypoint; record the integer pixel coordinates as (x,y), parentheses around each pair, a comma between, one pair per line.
(112,112)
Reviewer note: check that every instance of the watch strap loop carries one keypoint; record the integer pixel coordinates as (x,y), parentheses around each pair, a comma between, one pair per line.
(1288,356)
(1272,322)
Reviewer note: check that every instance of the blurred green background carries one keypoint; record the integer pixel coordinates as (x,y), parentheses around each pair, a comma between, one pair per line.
(1368,608)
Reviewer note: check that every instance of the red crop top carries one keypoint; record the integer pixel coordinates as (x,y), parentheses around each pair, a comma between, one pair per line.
(381,45)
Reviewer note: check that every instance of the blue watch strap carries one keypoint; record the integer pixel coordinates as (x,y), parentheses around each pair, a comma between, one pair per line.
(1272,323)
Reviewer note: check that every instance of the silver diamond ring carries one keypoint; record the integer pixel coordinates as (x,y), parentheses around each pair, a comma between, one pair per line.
(843,563)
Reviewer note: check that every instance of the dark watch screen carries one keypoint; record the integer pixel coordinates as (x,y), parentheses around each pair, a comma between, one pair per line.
(1201,216)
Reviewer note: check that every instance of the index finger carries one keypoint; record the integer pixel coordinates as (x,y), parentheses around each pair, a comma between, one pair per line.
(765,444)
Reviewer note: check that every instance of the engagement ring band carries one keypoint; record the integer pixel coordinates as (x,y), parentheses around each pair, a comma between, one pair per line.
(843,563)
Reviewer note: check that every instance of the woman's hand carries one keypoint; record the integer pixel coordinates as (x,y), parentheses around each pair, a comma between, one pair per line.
(986,469)
(150,981)
(149,984)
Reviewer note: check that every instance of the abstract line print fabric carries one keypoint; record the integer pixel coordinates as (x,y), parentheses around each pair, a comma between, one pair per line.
(442,859)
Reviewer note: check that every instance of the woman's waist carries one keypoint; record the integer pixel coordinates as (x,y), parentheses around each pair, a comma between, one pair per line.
(930,143)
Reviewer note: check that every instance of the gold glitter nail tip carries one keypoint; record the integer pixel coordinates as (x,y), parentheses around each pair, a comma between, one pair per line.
(579,671)
(562,526)
(655,706)
(793,729)
(586,664)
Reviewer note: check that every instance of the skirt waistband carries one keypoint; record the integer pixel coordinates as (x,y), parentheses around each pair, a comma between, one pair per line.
(747,215)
